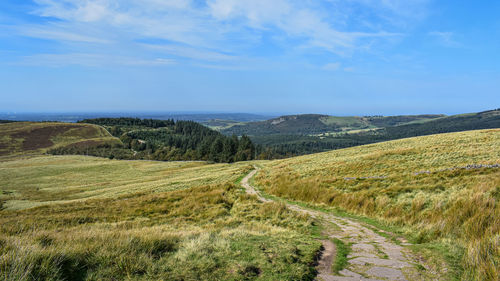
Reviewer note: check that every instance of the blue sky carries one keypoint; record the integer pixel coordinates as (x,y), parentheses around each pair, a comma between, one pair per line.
(340,57)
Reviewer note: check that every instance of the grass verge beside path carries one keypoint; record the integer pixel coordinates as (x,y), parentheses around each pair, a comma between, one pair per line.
(440,190)
(434,253)
(341,260)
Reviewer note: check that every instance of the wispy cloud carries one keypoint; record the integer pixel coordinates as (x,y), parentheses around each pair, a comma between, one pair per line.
(332,66)
(190,52)
(445,38)
(219,30)
(91,60)
(297,20)
(58,34)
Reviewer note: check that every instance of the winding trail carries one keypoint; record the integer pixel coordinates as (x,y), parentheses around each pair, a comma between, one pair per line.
(373,256)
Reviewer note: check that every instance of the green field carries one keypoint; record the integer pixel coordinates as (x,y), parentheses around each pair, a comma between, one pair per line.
(345,122)
(88,218)
(220,124)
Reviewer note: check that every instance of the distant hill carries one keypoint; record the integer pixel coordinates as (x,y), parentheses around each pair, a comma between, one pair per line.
(303,134)
(455,123)
(307,124)
(32,138)
(124,138)
(220,124)
(134,138)
(172,140)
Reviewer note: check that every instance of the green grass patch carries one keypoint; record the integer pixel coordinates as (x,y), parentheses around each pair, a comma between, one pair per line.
(451,253)
(342,251)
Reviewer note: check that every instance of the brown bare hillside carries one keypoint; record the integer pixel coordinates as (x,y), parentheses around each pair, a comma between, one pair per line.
(34,138)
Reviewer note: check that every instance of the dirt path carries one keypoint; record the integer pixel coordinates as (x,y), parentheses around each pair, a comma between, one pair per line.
(373,257)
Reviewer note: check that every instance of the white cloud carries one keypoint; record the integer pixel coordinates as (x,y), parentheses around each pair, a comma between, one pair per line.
(59,35)
(79,10)
(256,12)
(191,53)
(210,30)
(59,60)
(296,19)
(445,38)
(332,66)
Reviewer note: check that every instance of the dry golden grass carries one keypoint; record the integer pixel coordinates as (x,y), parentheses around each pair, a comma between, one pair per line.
(41,180)
(444,202)
(204,233)
(87,218)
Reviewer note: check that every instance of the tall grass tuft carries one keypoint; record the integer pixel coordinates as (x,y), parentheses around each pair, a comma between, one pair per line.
(209,232)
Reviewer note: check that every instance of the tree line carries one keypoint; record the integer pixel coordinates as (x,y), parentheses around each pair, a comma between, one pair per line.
(129,122)
(166,140)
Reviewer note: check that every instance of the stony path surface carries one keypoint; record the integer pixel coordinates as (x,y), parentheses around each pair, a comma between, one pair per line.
(373,257)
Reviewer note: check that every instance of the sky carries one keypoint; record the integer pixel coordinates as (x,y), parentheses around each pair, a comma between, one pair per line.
(339,57)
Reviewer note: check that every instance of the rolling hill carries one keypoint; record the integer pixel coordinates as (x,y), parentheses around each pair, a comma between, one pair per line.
(130,138)
(311,124)
(73,217)
(462,122)
(35,138)
(155,139)
(86,218)
(303,134)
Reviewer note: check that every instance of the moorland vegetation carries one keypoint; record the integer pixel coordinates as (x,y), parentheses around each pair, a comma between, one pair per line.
(67,217)
(135,230)
(442,190)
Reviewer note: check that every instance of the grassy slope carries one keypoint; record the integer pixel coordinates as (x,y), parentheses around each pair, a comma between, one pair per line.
(220,124)
(455,123)
(49,179)
(347,121)
(21,138)
(105,219)
(109,219)
(458,208)
(204,233)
